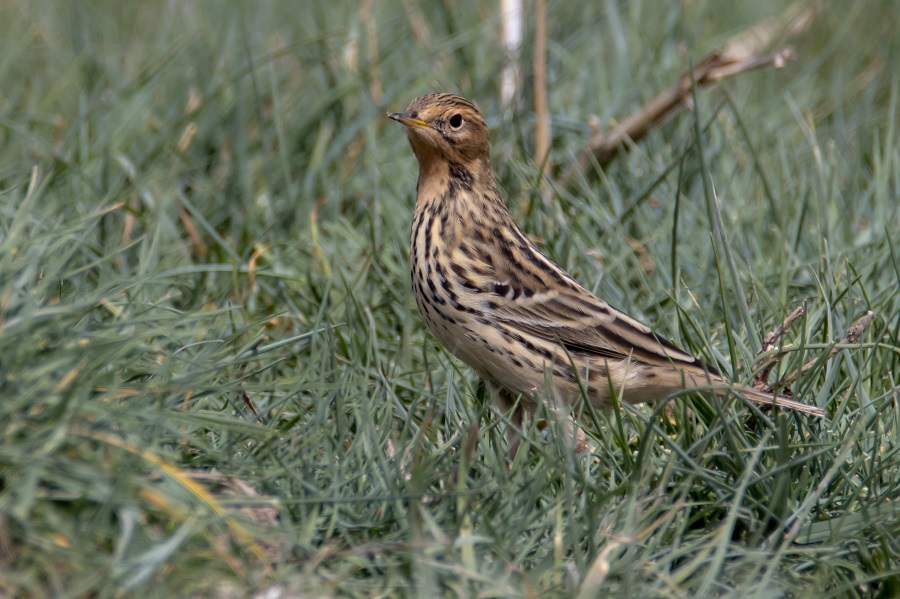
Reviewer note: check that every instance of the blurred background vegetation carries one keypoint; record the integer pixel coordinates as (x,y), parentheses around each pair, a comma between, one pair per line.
(202,206)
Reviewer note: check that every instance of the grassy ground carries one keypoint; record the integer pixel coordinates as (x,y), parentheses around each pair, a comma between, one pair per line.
(203,200)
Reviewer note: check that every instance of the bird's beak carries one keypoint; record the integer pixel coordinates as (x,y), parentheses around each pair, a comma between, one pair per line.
(404,119)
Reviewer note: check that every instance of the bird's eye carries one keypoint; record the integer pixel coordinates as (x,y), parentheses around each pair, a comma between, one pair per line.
(456,121)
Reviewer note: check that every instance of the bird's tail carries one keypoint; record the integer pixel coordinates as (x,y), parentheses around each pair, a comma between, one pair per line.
(778,400)
(754,395)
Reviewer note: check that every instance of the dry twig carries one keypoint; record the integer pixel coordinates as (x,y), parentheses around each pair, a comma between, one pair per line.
(744,52)
(712,69)
(763,367)
(851,337)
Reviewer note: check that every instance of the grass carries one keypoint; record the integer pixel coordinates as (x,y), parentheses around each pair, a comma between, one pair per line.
(200,201)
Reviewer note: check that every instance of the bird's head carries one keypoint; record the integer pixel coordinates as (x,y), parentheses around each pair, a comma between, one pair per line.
(445,126)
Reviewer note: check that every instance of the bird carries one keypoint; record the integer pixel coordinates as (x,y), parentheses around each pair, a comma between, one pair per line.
(499,304)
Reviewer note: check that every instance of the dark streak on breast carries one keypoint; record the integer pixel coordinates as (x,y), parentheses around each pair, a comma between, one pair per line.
(460,178)
(464,280)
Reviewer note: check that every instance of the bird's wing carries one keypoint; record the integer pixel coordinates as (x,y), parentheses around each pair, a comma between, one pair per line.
(527,291)
(584,323)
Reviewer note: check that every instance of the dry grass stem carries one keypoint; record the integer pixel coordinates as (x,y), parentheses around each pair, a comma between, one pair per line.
(541,109)
(373,60)
(763,366)
(851,337)
(744,52)
(511,28)
(716,66)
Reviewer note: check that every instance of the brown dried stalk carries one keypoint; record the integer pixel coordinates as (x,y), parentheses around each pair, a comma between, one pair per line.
(604,147)
(851,337)
(744,52)
(764,366)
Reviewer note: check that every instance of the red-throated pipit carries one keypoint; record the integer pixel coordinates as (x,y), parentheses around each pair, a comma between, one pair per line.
(502,307)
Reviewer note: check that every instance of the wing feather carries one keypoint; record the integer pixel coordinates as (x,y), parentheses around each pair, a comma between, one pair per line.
(541,299)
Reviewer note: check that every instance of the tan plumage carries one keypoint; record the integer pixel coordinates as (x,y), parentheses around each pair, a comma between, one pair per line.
(496,302)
